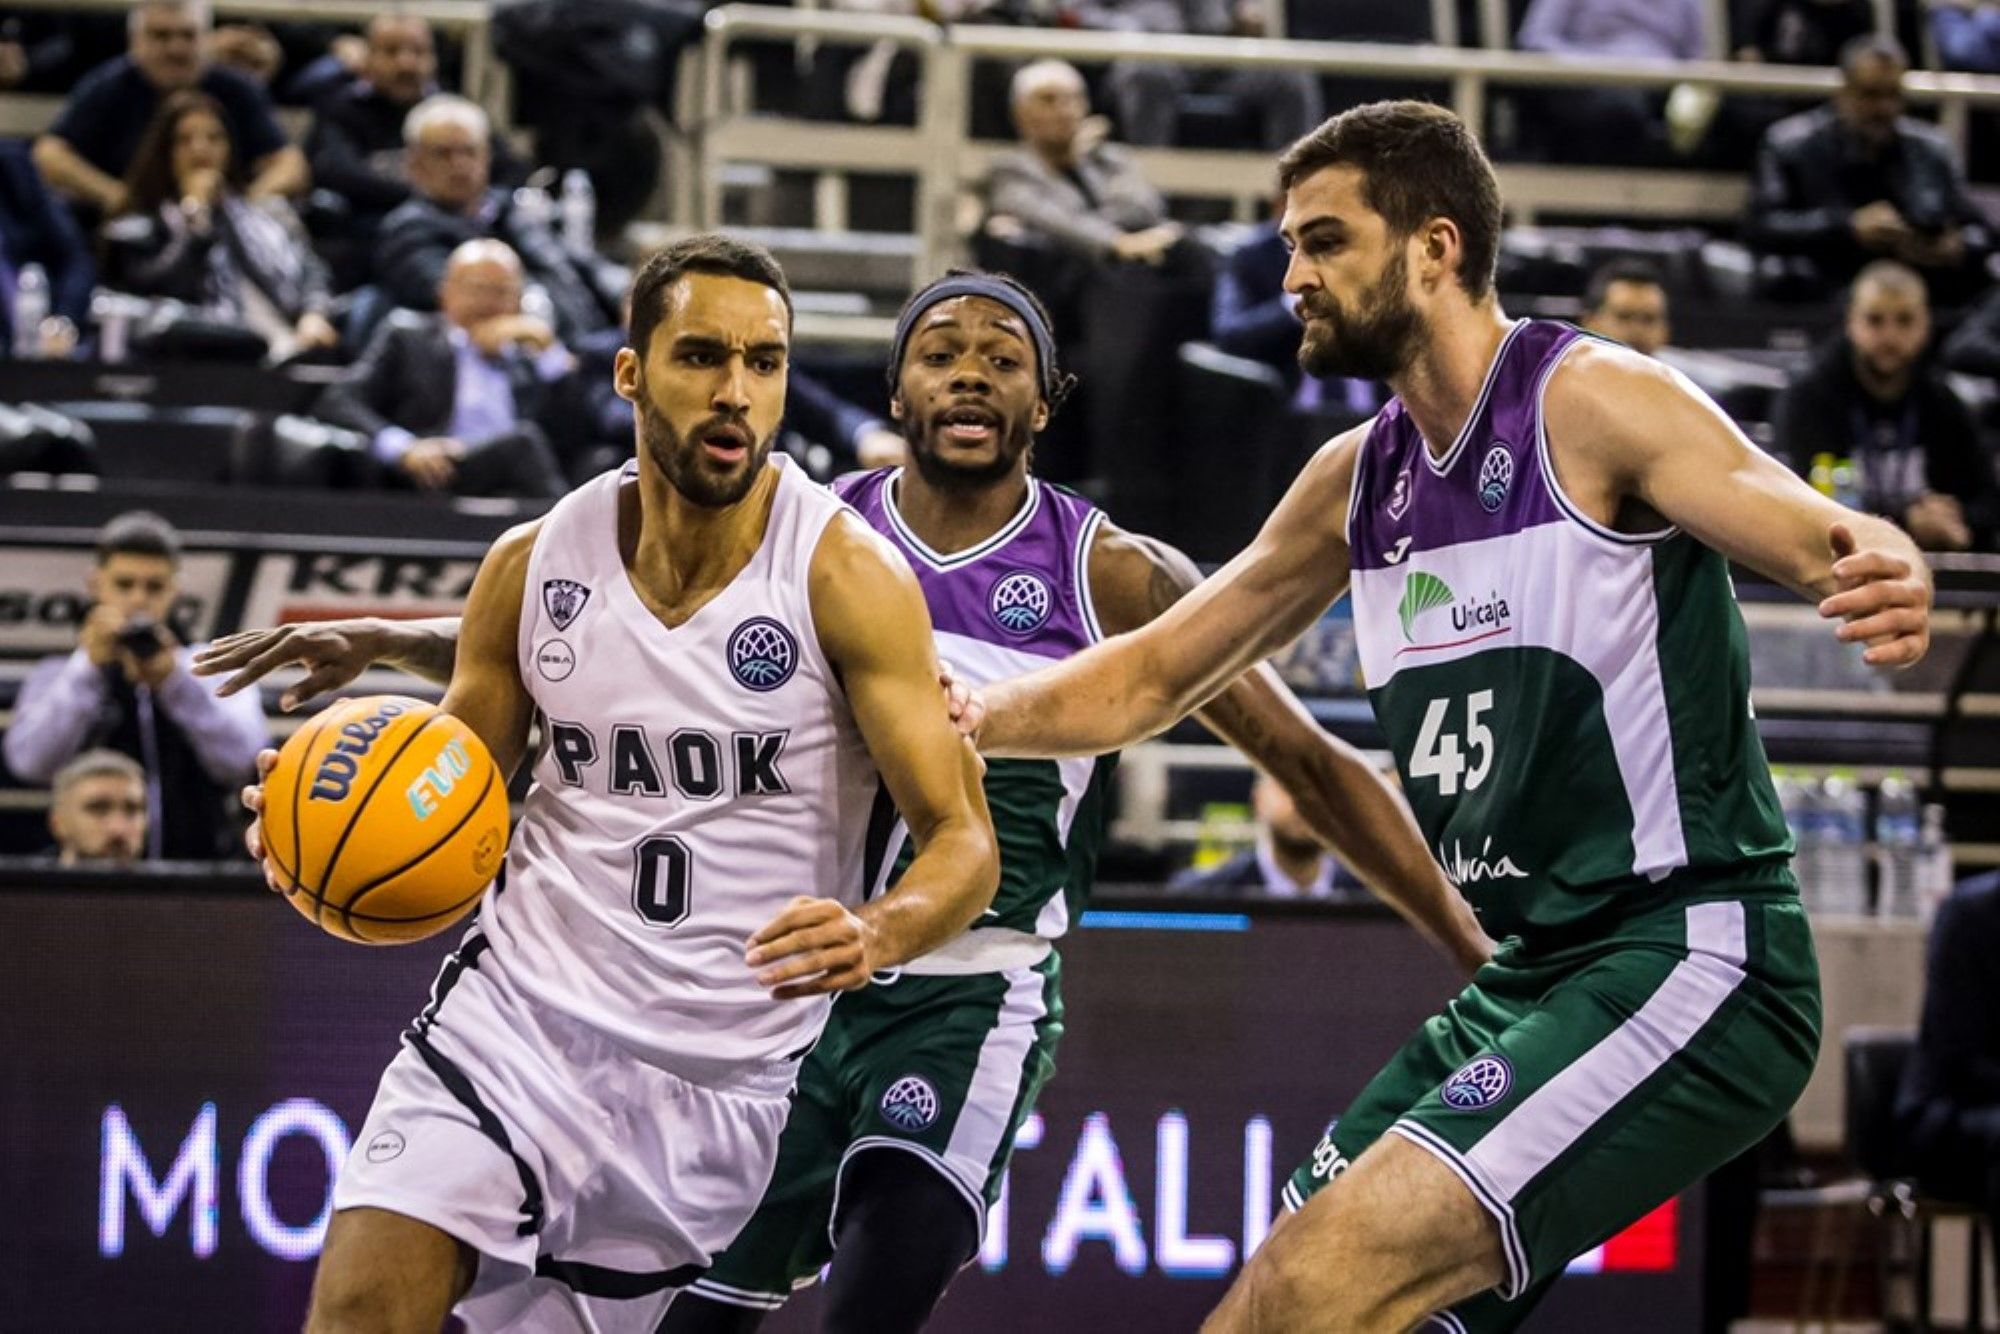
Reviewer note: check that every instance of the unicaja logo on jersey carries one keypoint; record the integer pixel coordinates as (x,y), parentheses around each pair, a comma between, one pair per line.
(1478,1084)
(1496,474)
(1021,602)
(762,654)
(910,1103)
(1472,619)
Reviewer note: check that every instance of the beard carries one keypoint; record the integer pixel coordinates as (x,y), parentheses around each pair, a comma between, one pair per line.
(682,462)
(947,474)
(1375,343)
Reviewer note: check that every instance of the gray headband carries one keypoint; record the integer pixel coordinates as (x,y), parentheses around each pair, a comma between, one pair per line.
(974,284)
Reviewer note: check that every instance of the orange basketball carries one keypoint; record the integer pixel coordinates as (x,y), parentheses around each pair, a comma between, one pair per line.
(387,819)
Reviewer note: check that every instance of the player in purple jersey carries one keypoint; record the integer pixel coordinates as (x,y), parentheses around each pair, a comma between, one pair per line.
(975,379)
(1546,627)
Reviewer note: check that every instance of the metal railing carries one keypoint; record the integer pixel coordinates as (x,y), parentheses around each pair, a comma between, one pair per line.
(944,161)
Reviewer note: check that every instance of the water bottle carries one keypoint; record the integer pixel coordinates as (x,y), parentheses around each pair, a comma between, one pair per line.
(31,307)
(1933,863)
(1847,483)
(1843,852)
(579,211)
(1898,829)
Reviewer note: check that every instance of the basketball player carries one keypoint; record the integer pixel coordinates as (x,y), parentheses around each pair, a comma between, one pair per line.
(1536,531)
(906,1112)
(724,657)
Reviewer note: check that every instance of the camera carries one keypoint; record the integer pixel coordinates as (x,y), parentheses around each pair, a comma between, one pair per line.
(141,638)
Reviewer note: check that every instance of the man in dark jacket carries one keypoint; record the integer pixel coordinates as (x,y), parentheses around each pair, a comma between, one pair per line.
(1856,180)
(1288,862)
(449,143)
(1948,1110)
(449,402)
(1874,403)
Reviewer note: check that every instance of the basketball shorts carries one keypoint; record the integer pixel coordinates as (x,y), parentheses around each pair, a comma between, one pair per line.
(593,1186)
(1576,1090)
(944,1068)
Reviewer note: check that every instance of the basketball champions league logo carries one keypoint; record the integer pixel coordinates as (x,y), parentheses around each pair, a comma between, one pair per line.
(564,599)
(1021,602)
(1496,475)
(910,1104)
(762,654)
(1478,1084)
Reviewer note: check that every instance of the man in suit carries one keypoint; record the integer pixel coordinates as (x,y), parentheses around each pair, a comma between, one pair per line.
(450,160)
(1288,861)
(449,401)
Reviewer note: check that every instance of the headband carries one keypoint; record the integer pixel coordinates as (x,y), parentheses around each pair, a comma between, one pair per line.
(974,284)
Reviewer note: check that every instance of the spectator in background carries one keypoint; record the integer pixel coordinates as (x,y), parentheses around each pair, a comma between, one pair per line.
(450,402)
(248,48)
(448,142)
(36,229)
(1287,862)
(85,153)
(1146,96)
(1948,1109)
(188,233)
(1609,124)
(356,145)
(1856,180)
(1799,32)
(1967,33)
(1627,300)
(97,811)
(1068,187)
(1252,316)
(1873,399)
(126,687)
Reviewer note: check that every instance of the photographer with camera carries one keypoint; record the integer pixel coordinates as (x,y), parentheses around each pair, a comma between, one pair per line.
(126,687)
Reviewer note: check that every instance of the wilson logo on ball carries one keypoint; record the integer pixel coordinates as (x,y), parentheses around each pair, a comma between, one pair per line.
(1021,602)
(335,775)
(762,654)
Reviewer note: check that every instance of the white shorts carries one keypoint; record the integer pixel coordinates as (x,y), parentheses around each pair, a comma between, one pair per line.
(593,1186)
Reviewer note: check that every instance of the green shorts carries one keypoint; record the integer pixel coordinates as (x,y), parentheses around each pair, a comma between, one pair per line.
(1575,1090)
(945,1068)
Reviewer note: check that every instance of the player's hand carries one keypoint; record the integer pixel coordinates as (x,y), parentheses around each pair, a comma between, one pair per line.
(1884,599)
(966,705)
(332,652)
(813,947)
(253,837)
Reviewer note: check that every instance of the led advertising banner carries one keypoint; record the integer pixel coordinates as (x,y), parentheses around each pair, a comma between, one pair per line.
(184,1071)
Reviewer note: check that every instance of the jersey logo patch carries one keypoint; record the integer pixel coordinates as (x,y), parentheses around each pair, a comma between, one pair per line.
(1478,1084)
(564,598)
(1496,475)
(555,660)
(762,654)
(1399,495)
(910,1104)
(386,1145)
(1021,602)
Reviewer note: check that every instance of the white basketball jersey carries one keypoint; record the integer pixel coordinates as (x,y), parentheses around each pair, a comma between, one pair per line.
(690,782)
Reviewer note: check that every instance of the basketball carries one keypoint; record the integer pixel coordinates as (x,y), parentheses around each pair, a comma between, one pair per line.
(386,819)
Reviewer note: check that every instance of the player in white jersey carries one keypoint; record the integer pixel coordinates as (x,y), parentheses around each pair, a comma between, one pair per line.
(724,657)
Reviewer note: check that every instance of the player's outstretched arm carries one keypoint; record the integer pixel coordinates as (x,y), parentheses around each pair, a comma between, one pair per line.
(1135,580)
(1626,427)
(332,652)
(874,628)
(486,692)
(1137,684)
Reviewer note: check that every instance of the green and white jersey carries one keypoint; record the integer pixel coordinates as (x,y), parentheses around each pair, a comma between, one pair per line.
(1569,706)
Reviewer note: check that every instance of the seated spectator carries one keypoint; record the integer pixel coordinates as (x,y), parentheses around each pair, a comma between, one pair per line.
(1856,180)
(1799,32)
(450,401)
(1069,187)
(449,146)
(85,153)
(248,48)
(1967,33)
(1608,124)
(36,229)
(97,810)
(126,687)
(1974,346)
(1948,1109)
(1251,315)
(1872,400)
(188,233)
(1287,862)
(356,146)
(1627,300)
(1147,96)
